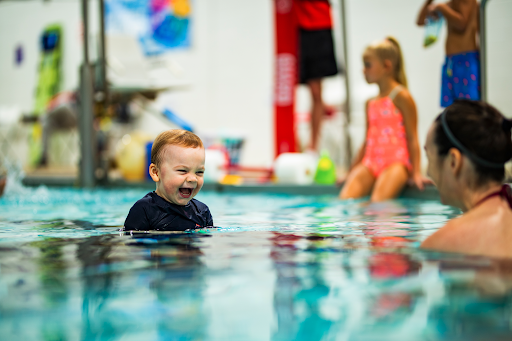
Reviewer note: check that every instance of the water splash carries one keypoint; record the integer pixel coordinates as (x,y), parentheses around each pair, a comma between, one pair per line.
(14,185)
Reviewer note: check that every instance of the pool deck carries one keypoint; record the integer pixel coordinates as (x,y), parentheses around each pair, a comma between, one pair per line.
(63,180)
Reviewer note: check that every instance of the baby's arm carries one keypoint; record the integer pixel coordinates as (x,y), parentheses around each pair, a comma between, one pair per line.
(423,13)
(137,219)
(405,103)
(209,219)
(456,12)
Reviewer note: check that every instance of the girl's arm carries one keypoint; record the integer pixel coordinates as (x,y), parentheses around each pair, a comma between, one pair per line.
(405,103)
(423,13)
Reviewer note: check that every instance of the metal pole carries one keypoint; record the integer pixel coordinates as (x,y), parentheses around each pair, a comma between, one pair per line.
(483,51)
(348,145)
(102,55)
(87,139)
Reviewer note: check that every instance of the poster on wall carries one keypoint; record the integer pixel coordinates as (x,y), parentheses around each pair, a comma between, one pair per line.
(159,25)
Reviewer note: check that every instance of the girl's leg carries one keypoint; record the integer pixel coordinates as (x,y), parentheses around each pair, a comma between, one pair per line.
(390,182)
(359,183)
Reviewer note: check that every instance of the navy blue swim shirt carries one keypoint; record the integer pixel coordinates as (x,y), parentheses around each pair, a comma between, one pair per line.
(152,212)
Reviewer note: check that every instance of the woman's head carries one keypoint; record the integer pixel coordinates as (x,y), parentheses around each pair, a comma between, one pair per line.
(382,58)
(470,132)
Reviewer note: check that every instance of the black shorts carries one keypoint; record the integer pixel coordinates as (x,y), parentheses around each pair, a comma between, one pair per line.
(316,55)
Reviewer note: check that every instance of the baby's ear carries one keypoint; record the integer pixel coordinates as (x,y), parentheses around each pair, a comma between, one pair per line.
(154,173)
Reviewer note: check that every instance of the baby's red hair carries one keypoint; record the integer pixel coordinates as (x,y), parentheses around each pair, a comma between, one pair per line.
(173,137)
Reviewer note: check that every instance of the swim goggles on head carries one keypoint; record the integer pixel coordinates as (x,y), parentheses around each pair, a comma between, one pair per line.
(464,150)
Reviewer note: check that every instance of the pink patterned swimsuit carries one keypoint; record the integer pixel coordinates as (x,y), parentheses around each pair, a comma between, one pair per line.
(386,141)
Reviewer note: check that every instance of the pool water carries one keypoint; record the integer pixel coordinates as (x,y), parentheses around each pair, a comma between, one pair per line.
(278,267)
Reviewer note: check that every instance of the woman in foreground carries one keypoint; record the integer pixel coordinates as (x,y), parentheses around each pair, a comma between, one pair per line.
(467,147)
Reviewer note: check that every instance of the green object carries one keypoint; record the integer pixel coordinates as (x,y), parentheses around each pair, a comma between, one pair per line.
(35,144)
(325,171)
(429,40)
(48,85)
(49,67)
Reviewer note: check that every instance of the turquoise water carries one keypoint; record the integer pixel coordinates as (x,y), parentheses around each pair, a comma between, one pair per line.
(277,268)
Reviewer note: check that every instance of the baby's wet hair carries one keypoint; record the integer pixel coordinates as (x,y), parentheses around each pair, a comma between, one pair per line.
(173,137)
(483,131)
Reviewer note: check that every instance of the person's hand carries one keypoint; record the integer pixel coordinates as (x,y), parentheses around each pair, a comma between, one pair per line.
(433,11)
(419,181)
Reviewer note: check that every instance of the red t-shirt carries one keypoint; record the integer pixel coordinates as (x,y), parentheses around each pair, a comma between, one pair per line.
(313,14)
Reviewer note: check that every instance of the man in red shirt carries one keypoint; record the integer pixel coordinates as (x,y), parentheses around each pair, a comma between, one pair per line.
(316,55)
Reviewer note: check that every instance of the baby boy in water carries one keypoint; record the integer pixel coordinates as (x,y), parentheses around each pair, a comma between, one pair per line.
(177,167)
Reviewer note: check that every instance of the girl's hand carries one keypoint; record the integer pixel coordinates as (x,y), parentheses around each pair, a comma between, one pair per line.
(419,181)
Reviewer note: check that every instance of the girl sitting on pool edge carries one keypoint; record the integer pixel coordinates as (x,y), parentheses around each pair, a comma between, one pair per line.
(177,167)
(467,147)
(390,155)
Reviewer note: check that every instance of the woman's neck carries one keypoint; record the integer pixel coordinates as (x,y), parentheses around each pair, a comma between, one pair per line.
(386,85)
(472,198)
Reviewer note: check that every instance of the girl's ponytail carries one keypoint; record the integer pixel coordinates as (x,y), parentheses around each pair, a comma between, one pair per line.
(389,49)
(400,76)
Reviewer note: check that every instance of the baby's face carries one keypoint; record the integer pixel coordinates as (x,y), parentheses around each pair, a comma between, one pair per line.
(180,174)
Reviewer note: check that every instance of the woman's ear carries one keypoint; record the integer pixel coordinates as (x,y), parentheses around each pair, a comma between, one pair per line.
(153,172)
(455,159)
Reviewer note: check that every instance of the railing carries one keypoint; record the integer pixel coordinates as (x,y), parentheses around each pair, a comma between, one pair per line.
(85,119)
(348,106)
(483,51)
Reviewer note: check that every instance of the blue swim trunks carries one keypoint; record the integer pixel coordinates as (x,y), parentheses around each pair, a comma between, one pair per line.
(461,77)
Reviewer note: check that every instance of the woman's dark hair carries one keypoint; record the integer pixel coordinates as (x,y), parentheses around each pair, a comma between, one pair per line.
(483,131)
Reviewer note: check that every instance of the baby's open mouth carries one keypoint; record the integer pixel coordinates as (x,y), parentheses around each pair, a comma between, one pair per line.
(186,192)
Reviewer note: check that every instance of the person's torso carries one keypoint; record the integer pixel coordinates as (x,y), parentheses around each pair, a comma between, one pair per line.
(386,129)
(459,41)
(313,14)
(164,216)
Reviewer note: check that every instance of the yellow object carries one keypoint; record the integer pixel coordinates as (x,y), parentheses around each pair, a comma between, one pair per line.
(35,145)
(131,156)
(181,8)
(231,179)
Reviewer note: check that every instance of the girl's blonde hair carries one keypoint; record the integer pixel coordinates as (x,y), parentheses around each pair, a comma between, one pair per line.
(389,49)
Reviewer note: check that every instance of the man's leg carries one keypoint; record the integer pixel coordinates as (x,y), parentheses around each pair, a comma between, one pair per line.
(473,77)
(317,110)
(447,84)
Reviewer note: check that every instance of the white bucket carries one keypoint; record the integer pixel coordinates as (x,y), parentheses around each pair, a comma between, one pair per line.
(215,165)
(295,168)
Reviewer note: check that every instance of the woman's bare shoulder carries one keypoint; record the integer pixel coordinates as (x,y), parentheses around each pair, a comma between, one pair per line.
(443,238)
(476,232)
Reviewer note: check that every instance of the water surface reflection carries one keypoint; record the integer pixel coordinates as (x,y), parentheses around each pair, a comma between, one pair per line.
(278,268)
